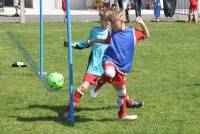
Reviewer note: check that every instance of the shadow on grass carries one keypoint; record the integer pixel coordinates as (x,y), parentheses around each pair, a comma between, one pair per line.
(77,119)
(7,16)
(181,21)
(196,84)
(59,110)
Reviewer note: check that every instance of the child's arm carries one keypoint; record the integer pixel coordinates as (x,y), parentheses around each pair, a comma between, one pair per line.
(102,41)
(83,44)
(91,41)
(80,45)
(145,30)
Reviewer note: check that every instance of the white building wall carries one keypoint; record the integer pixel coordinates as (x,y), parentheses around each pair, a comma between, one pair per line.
(56,4)
(47,4)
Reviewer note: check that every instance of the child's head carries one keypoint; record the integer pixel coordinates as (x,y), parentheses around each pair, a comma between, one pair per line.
(117,20)
(105,24)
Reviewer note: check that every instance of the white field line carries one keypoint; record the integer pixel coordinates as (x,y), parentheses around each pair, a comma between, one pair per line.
(32,31)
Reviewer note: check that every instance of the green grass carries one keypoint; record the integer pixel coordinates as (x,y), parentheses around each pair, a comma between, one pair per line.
(166,75)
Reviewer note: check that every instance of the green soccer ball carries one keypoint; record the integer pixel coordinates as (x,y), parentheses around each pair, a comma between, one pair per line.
(55,80)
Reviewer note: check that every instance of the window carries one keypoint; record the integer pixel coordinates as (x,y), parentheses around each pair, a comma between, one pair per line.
(9,3)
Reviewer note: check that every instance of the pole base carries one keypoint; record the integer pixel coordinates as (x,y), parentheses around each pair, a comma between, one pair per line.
(44,74)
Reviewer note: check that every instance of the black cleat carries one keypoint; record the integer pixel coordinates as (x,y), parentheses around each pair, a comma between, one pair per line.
(66,116)
(137,104)
(65,43)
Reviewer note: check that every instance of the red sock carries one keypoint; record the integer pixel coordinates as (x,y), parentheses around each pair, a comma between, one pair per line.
(129,102)
(100,83)
(76,99)
(121,102)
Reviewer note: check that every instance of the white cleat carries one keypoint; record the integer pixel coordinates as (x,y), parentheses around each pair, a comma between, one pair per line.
(129,117)
(65,116)
(93,94)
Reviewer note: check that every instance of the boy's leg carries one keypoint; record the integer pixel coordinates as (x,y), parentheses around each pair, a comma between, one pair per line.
(94,91)
(121,103)
(109,73)
(133,103)
(76,98)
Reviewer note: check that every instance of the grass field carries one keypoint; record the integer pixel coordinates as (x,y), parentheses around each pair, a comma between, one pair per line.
(166,75)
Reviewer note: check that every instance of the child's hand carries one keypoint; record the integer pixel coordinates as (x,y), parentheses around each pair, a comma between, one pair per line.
(139,20)
(74,44)
(90,41)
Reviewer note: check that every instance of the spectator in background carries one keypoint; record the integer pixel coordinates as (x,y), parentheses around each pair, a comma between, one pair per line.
(64,8)
(157,9)
(138,6)
(193,11)
(114,5)
(17,7)
(124,5)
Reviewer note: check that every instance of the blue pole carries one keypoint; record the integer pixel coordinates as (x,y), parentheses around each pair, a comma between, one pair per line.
(41,40)
(68,29)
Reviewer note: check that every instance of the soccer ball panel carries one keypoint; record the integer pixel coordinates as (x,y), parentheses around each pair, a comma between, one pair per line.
(55,80)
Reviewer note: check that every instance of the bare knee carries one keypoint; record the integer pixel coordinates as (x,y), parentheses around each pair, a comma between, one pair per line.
(84,86)
(110,72)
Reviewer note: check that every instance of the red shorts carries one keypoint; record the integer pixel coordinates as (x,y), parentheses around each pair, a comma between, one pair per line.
(194,5)
(92,79)
(119,79)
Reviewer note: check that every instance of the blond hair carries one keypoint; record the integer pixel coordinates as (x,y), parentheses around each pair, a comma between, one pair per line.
(104,14)
(117,15)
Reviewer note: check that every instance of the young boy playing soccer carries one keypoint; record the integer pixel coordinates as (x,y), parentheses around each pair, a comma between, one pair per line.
(94,69)
(117,59)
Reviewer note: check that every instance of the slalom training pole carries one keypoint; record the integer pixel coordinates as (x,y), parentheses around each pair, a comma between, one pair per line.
(41,40)
(70,64)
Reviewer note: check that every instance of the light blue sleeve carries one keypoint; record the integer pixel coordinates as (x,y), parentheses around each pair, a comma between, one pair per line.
(91,34)
(82,44)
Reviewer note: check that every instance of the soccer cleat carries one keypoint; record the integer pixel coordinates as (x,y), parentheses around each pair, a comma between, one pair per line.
(157,20)
(137,104)
(128,117)
(93,94)
(66,116)
(65,43)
